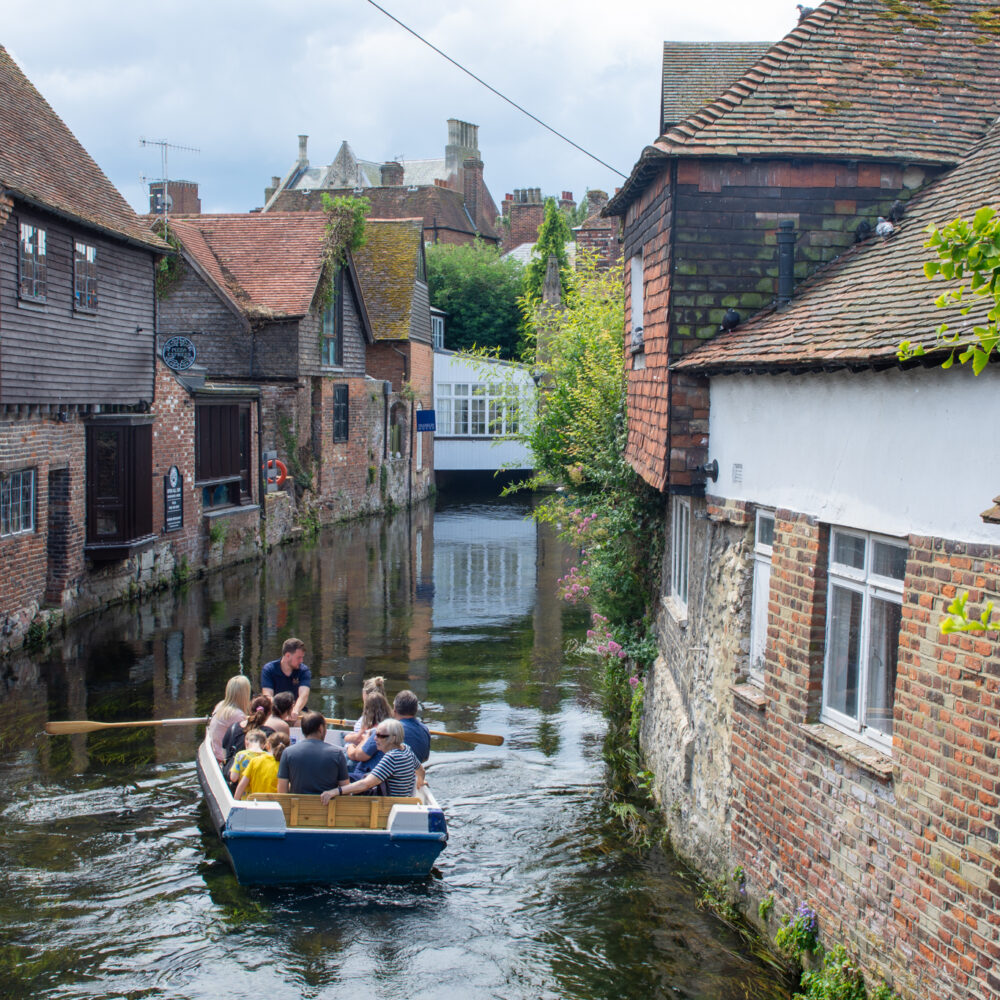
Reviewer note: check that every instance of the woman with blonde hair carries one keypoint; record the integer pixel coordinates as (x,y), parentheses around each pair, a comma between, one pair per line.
(234,707)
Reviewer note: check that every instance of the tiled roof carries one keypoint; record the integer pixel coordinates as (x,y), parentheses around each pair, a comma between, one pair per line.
(695,73)
(437,206)
(41,161)
(857,79)
(266,264)
(387,271)
(854,312)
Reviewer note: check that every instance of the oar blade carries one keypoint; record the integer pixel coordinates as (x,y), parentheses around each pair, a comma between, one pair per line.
(488,738)
(71,727)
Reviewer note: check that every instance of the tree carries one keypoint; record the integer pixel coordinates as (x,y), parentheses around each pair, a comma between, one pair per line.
(553,235)
(479,290)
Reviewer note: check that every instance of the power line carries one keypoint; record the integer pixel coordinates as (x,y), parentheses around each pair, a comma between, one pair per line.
(503,97)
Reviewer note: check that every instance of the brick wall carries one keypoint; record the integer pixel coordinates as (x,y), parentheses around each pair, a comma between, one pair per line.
(523,212)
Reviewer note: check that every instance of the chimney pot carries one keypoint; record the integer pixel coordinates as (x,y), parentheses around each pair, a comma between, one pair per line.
(303,141)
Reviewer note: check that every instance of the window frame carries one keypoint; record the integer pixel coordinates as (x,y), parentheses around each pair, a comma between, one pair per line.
(760,597)
(480,410)
(637,301)
(223,453)
(680,551)
(437,332)
(7,502)
(85,277)
(872,587)
(130,497)
(37,261)
(332,332)
(341,412)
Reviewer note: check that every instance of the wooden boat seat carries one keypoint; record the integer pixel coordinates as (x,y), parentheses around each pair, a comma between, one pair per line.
(366,812)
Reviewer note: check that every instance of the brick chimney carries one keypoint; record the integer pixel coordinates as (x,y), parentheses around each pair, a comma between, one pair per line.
(596,200)
(463,144)
(566,202)
(472,181)
(392,173)
(303,160)
(526,211)
(182,198)
(271,188)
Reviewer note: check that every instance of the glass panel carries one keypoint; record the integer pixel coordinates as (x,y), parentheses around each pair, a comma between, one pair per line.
(512,417)
(444,415)
(765,529)
(478,416)
(461,389)
(461,415)
(107,485)
(883,655)
(758,620)
(844,651)
(848,550)
(888,560)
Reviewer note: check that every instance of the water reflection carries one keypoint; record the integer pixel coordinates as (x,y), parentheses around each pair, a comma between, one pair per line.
(114,885)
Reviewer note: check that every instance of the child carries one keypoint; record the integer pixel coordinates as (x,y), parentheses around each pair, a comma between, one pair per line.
(253,747)
(261,774)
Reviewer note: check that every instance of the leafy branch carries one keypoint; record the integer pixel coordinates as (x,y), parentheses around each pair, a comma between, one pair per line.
(959,620)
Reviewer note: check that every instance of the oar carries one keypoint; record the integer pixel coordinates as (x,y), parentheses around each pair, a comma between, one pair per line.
(488,738)
(88,726)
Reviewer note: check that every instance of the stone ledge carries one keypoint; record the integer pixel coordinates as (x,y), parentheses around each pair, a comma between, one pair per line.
(876,763)
(750,695)
(676,611)
(218,512)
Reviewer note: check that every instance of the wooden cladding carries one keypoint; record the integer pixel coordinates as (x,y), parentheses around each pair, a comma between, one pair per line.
(119,486)
(222,447)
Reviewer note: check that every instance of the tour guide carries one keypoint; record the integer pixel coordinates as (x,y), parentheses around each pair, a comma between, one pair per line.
(311,766)
(288,674)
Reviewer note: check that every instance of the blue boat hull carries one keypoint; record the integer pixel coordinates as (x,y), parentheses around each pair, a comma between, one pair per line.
(264,851)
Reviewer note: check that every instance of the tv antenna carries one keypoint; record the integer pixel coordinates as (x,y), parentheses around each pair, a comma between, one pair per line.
(165,147)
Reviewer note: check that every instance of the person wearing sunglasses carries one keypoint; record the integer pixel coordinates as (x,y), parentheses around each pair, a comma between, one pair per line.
(398,767)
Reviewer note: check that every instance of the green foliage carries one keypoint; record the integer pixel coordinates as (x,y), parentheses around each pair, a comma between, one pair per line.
(765,907)
(168,269)
(479,291)
(296,457)
(969,253)
(575,216)
(553,235)
(798,934)
(840,978)
(216,532)
(959,619)
(345,233)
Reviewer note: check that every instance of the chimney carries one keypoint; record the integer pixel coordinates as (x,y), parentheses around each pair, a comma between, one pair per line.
(182,198)
(303,158)
(392,173)
(786,261)
(472,180)
(566,202)
(463,144)
(596,200)
(269,191)
(552,289)
(526,213)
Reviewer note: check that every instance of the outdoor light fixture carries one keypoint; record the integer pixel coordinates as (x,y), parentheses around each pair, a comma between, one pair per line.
(711,470)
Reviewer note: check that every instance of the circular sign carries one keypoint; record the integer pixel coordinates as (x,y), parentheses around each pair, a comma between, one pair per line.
(178,353)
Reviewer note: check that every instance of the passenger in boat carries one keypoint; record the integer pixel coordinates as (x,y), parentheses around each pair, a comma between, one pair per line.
(311,765)
(418,736)
(234,706)
(280,718)
(261,774)
(398,768)
(233,741)
(254,740)
(288,674)
(371,684)
(362,753)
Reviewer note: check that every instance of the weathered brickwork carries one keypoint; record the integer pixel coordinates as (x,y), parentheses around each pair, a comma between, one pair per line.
(897,854)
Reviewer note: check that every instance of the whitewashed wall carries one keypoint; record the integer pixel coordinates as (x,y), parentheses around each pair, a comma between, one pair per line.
(476,453)
(892,452)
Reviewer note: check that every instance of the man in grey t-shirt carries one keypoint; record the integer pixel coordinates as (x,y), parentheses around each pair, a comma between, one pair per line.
(312,766)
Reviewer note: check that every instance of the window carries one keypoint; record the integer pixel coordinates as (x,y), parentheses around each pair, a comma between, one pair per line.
(32,263)
(638,308)
(341,397)
(17,502)
(332,350)
(761,593)
(680,535)
(864,612)
(119,486)
(437,331)
(475,409)
(222,453)
(84,277)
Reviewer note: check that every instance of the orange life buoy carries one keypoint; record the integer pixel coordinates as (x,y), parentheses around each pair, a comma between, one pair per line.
(282,471)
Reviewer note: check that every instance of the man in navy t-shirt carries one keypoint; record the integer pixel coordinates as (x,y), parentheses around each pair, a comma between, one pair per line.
(288,674)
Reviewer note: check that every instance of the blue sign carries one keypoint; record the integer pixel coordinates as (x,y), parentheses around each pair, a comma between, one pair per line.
(426,420)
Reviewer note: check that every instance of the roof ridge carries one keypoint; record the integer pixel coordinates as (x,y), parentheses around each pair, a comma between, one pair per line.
(800,34)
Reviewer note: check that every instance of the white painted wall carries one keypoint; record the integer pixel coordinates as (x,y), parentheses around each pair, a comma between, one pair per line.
(477,453)
(892,452)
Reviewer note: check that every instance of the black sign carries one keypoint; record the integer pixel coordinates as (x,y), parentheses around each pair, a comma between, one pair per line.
(426,420)
(179,353)
(173,500)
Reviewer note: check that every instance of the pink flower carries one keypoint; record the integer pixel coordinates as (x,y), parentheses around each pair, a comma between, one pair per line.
(634,681)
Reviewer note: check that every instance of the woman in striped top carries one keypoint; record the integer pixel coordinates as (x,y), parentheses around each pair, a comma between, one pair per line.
(398,768)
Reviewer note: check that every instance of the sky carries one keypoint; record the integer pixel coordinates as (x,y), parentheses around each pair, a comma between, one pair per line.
(239,82)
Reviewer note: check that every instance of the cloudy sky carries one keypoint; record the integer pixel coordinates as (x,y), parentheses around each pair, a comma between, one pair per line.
(240,81)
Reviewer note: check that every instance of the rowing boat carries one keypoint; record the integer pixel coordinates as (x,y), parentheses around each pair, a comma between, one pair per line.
(277,839)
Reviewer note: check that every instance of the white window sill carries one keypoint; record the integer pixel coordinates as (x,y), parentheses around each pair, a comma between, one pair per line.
(863,755)
(677,611)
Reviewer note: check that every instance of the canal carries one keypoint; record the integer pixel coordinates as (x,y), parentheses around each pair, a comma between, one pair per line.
(114,886)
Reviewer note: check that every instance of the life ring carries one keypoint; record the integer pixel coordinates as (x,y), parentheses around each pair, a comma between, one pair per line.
(282,471)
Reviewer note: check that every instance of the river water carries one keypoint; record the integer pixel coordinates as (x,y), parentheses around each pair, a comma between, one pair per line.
(112,884)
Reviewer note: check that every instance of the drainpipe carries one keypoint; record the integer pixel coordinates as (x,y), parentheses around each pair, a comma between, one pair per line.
(786,262)
(261,485)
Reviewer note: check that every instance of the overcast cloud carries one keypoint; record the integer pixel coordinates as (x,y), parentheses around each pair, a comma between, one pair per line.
(240,81)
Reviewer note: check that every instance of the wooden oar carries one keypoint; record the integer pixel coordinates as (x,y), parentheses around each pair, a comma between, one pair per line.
(488,738)
(88,726)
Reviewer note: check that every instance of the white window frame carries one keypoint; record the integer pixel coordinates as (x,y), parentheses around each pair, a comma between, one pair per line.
(437,332)
(637,298)
(871,586)
(761,595)
(680,551)
(475,410)
(17,503)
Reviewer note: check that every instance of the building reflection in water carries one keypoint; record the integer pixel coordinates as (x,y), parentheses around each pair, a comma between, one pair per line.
(383,596)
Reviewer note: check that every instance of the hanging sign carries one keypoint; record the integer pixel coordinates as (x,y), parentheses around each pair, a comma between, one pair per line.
(173,500)
(179,354)
(426,420)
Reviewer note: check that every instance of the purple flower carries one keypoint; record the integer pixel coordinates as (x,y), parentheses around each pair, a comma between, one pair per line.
(634,681)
